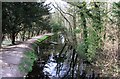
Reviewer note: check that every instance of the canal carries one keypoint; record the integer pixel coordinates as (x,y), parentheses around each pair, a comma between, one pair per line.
(60,61)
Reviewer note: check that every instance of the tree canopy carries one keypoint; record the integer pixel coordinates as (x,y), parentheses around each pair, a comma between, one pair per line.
(17,16)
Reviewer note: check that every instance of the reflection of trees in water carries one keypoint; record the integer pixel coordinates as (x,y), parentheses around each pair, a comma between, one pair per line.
(73,69)
(64,65)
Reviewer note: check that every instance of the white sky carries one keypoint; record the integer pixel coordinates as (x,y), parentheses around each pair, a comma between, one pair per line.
(64,5)
(61,4)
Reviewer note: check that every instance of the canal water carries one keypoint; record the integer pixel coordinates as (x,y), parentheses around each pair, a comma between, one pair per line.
(59,61)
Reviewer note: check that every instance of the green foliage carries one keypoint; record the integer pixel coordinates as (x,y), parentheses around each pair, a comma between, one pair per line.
(76,31)
(92,35)
(16,13)
(97,21)
(116,9)
(81,50)
(116,13)
(19,16)
(34,45)
(42,38)
(27,62)
(56,27)
(30,57)
(92,44)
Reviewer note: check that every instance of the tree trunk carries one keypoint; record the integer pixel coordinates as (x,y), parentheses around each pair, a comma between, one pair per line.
(118,53)
(23,35)
(74,35)
(74,63)
(38,32)
(13,38)
(1,39)
(28,34)
(72,68)
(0,42)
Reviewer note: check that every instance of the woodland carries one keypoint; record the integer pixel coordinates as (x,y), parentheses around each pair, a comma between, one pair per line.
(91,28)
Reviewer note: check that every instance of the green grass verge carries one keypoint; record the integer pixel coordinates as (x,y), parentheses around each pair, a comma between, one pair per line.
(30,56)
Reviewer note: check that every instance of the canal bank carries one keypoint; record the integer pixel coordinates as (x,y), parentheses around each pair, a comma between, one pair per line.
(16,59)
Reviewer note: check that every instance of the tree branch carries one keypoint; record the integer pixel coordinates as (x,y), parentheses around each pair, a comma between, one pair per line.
(64,17)
(63,11)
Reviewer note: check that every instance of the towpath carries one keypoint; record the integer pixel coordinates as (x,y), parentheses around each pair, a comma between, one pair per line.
(10,57)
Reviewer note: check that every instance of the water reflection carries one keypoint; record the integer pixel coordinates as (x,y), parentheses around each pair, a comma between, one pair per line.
(60,62)
(55,67)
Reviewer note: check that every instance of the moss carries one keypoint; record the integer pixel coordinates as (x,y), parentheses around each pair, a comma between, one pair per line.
(39,41)
(42,39)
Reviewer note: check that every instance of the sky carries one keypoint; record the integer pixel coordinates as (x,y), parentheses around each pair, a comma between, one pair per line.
(63,4)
